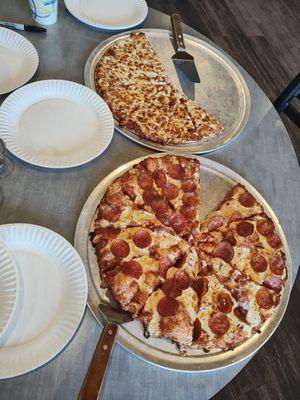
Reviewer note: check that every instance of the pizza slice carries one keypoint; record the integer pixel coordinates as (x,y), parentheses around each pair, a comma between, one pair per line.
(237,205)
(171,315)
(135,261)
(178,178)
(218,325)
(232,307)
(253,247)
(255,301)
(258,251)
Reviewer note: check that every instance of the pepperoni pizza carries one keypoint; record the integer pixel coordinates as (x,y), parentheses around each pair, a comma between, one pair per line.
(207,283)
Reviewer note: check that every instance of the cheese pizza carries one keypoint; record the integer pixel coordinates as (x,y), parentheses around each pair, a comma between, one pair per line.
(134,84)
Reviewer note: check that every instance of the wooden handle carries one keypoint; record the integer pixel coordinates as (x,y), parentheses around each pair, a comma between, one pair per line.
(96,372)
(177,29)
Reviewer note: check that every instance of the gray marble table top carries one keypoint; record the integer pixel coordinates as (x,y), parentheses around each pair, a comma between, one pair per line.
(263,154)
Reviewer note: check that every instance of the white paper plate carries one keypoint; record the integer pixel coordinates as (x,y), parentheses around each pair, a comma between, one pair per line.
(56,124)
(111,14)
(9,284)
(18,60)
(51,301)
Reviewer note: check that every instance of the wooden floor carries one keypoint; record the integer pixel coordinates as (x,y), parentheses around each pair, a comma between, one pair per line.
(264,37)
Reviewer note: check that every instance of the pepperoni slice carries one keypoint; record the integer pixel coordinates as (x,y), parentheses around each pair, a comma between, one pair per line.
(189,212)
(264,298)
(265,226)
(178,222)
(201,286)
(142,238)
(167,307)
(247,200)
(273,282)
(170,191)
(175,171)
(274,240)
(164,264)
(120,248)
(159,177)
(189,199)
(145,180)
(197,330)
(148,196)
(224,302)
(159,205)
(188,185)
(241,314)
(277,265)
(225,251)
(245,228)
(132,268)
(258,263)
(182,279)
(229,237)
(170,288)
(219,323)
(215,222)
(107,233)
(111,213)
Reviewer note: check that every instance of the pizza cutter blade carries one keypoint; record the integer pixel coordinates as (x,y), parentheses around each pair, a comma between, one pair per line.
(181,59)
(95,375)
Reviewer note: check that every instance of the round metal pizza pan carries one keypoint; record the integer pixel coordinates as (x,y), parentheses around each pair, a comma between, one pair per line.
(222,91)
(216,180)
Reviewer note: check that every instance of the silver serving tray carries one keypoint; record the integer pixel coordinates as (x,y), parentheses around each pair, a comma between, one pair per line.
(216,180)
(222,91)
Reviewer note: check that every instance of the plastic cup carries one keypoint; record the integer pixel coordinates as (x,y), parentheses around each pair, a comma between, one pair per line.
(44,12)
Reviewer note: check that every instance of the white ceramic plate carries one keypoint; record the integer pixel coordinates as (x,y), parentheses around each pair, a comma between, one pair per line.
(9,284)
(18,60)
(112,14)
(51,301)
(56,124)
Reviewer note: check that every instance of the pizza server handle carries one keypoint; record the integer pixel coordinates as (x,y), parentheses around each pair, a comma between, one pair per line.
(177,29)
(95,375)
